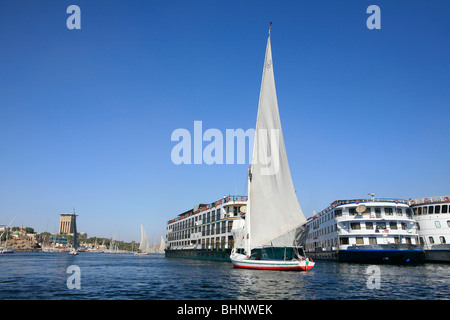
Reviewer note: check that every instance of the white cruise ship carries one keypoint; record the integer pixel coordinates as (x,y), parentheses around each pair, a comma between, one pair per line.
(364,230)
(433,222)
(204,232)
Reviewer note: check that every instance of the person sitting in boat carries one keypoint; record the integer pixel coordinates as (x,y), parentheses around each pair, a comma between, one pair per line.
(255,256)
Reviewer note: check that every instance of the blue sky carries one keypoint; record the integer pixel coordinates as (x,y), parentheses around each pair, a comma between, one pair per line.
(86,116)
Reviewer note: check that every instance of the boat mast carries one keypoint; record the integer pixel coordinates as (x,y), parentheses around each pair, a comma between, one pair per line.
(248,248)
(75,236)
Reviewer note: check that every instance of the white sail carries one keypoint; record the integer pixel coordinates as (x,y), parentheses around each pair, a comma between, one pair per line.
(162,246)
(273,210)
(144,246)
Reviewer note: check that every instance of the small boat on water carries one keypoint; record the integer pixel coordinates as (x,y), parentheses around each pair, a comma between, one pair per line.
(144,246)
(271,234)
(6,248)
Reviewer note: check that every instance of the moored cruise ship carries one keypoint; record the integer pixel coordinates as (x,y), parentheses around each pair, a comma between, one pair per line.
(364,230)
(204,232)
(433,222)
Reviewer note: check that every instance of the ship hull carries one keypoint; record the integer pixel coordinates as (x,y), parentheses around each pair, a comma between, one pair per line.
(395,254)
(200,254)
(381,256)
(438,253)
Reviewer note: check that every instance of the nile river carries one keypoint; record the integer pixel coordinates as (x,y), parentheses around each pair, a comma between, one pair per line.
(106,276)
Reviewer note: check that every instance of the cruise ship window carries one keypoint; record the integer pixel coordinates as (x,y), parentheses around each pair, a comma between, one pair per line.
(448,223)
(420,211)
(355,226)
(352,211)
(373,240)
(437,209)
(442,239)
(338,212)
(369,225)
(388,211)
(381,225)
(431,240)
(393,225)
(444,208)
(377,210)
(437,224)
(430,209)
(359,240)
(424,211)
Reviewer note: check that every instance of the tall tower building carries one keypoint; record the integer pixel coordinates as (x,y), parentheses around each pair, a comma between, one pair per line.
(67,222)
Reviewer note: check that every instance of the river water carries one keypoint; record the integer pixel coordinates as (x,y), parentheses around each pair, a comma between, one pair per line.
(106,276)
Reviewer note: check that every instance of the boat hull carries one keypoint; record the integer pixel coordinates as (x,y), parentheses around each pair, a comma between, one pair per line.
(278,265)
(373,254)
(438,253)
(2,251)
(382,254)
(242,261)
(200,254)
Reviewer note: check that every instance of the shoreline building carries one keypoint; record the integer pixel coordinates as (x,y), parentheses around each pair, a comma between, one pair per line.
(67,223)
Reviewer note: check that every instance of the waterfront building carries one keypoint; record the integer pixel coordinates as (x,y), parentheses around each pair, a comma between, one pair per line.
(67,223)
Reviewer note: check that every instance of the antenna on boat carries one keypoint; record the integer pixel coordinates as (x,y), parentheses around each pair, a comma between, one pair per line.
(372,196)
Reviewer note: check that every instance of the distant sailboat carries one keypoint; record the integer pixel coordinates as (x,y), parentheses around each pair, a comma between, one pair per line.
(273,218)
(162,246)
(144,247)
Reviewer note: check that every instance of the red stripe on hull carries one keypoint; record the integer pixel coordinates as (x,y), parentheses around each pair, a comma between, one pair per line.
(296,268)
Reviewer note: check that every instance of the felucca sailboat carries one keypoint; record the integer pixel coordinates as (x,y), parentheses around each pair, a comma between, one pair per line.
(273,220)
(144,246)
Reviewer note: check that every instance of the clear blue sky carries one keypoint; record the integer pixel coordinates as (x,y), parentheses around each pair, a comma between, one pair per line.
(86,116)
